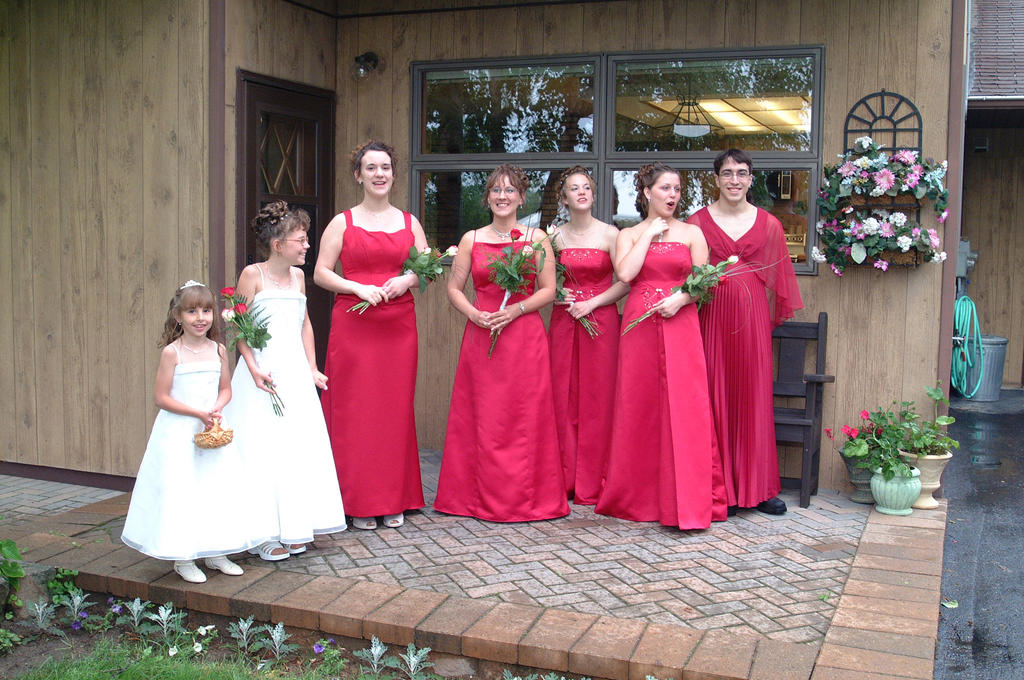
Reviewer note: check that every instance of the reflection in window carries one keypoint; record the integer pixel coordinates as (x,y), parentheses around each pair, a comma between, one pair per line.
(783,193)
(753,104)
(516,109)
(453,203)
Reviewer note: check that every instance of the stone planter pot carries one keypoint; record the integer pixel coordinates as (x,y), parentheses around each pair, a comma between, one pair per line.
(895,496)
(861,480)
(931,468)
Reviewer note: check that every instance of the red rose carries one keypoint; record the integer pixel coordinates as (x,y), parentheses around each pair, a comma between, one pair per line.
(864,415)
(515,234)
(240,308)
(227,292)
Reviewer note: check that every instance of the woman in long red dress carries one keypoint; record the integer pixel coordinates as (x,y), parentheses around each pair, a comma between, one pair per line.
(737,330)
(371,355)
(501,461)
(583,366)
(663,461)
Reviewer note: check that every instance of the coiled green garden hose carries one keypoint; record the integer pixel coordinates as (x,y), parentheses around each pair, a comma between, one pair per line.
(966,346)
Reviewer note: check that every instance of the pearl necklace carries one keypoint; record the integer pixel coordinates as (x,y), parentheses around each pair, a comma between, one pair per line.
(278,283)
(503,235)
(194,351)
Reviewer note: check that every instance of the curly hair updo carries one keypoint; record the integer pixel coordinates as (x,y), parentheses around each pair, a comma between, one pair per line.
(356,157)
(275,221)
(646,177)
(516,177)
(569,172)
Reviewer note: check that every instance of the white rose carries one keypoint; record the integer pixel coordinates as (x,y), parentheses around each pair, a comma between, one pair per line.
(452,251)
(228,314)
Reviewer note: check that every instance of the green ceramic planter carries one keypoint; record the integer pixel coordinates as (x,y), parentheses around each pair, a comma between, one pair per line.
(861,480)
(895,496)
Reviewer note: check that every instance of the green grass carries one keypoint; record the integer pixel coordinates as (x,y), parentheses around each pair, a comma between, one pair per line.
(109,660)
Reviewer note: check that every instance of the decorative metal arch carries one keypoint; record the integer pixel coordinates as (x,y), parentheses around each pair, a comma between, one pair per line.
(890,119)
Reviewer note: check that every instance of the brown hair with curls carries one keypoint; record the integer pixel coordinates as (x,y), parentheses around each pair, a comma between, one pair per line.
(275,221)
(188,297)
(569,172)
(356,157)
(645,179)
(516,177)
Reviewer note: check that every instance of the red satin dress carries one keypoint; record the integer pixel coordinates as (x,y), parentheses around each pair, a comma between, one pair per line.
(501,460)
(583,374)
(663,464)
(759,293)
(371,372)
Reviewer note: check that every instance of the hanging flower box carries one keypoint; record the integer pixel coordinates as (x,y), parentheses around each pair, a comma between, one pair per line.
(893,258)
(864,203)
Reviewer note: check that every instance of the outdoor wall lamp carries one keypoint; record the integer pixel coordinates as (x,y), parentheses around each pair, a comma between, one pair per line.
(364,64)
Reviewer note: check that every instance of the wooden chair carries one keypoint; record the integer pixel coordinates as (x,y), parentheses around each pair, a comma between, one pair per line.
(801,424)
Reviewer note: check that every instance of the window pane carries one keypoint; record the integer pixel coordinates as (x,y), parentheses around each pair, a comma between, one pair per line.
(452,203)
(783,193)
(517,109)
(752,104)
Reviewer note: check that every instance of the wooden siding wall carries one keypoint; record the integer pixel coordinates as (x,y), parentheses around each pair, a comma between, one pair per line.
(103,213)
(994,224)
(883,339)
(271,38)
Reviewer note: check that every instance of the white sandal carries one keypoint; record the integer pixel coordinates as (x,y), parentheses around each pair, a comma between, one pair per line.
(188,570)
(225,566)
(265,551)
(292,550)
(367,523)
(394,521)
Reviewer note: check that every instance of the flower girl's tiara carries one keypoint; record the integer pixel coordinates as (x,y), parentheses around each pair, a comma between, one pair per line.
(190,282)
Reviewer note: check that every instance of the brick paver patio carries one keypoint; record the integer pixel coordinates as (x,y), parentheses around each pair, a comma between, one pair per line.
(831,591)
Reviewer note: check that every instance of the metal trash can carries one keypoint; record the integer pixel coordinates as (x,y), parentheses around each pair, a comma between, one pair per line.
(993,349)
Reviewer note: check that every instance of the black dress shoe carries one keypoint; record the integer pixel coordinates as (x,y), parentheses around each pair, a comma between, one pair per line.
(731,510)
(772,506)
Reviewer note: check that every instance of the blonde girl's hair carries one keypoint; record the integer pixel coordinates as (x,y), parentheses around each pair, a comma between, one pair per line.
(188,296)
(569,172)
(516,177)
(646,176)
(275,221)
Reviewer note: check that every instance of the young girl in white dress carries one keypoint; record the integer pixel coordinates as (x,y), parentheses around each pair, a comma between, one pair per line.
(289,454)
(186,500)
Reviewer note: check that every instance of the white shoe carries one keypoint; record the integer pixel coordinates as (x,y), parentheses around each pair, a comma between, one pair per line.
(265,551)
(188,570)
(225,566)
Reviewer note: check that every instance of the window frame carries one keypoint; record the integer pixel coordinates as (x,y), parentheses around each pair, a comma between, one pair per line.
(603,157)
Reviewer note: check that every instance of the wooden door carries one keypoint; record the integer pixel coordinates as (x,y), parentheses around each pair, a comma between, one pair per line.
(286,152)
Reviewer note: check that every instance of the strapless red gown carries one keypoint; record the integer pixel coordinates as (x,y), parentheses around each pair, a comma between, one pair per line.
(663,464)
(583,375)
(371,371)
(501,461)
